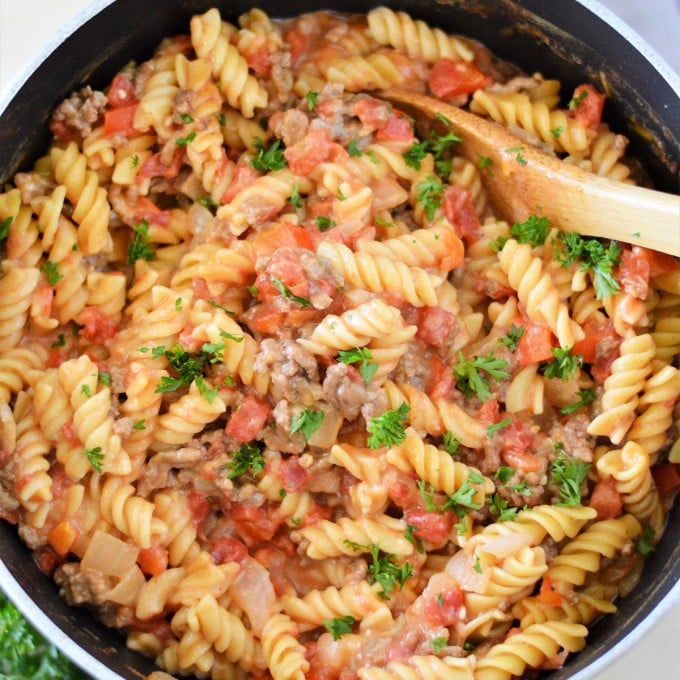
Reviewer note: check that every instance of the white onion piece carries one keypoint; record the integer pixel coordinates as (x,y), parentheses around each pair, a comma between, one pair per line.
(461,567)
(128,589)
(253,592)
(109,555)
(327,434)
(503,546)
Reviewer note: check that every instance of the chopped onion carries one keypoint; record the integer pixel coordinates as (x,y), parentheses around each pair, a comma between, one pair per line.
(461,567)
(128,589)
(327,434)
(503,546)
(252,591)
(109,555)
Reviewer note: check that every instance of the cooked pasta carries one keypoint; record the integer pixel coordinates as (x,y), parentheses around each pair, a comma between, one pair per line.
(283,396)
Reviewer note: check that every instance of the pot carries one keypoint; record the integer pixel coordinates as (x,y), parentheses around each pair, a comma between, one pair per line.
(569,40)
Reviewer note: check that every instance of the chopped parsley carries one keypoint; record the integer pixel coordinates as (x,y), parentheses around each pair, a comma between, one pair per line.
(413,540)
(512,337)
(505,473)
(468,374)
(500,508)
(85,389)
(311,98)
(577,100)
(438,644)
(385,571)
(186,118)
(248,458)
(307,422)
(59,342)
(564,365)
(382,223)
(533,231)
(208,393)
(324,223)
(414,155)
(362,356)
(450,443)
(594,256)
(269,159)
(95,458)
(285,291)
(388,429)
(184,141)
(339,626)
(105,378)
(188,365)
(585,397)
(430,192)
(460,501)
(140,248)
(353,149)
(139,425)
(216,305)
(497,427)
(4,227)
(477,566)
(341,196)
(294,197)
(206,202)
(645,542)
(51,271)
(483,162)
(557,131)
(569,473)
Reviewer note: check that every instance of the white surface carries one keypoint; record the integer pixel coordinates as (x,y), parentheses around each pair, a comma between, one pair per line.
(26,24)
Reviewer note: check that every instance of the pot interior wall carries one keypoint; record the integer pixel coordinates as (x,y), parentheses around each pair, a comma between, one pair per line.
(523,32)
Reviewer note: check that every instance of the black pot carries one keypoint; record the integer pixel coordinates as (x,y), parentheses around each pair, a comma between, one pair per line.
(566,39)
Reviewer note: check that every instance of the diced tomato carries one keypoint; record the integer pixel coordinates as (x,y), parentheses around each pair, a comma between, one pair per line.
(46,559)
(460,212)
(61,537)
(489,413)
(228,549)
(441,380)
(153,561)
(313,149)
(260,61)
(432,526)
(491,287)
(588,109)
(449,79)
(247,421)
(42,300)
(155,166)
(365,233)
(145,209)
(666,477)
(289,235)
(68,432)
(444,608)
(121,92)
(199,506)
(255,524)
(605,499)
(595,333)
(297,42)
(659,263)
(265,318)
(517,439)
(315,513)
(535,344)
(291,474)
(98,326)
(61,131)
(435,325)
(397,129)
(547,594)
(244,176)
(634,274)
(120,121)
(372,113)
(285,267)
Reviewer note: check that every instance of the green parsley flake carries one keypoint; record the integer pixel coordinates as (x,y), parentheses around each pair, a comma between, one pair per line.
(585,397)
(388,429)
(269,159)
(139,425)
(497,427)
(208,393)
(512,337)
(4,227)
(339,626)
(307,422)
(450,443)
(362,356)
(105,378)
(184,141)
(248,458)
(533,231)
(283,289)
(324,223)
(140,248)
(95,458)
(468,374)
(85,389)
(51,271)
(353,148)
(311,98)
(569,473)
(577,100)
(645,542)
(294,198)
(385,571)
(564,365)
(430,192)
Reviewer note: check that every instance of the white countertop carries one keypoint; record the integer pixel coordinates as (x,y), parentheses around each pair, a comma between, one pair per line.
(26,24)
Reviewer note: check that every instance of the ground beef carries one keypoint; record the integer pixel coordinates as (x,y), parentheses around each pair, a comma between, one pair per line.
(414,367)
(279,438)
(292,369)
(573,434)
(76,116)
(32,185)
(282,78)
(346,390)
(291,127)
(82,586)
(156,474)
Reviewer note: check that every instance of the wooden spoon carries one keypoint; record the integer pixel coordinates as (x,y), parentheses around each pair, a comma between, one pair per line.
(523,180)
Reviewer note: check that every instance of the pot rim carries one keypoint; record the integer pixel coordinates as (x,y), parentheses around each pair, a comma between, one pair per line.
(79,655)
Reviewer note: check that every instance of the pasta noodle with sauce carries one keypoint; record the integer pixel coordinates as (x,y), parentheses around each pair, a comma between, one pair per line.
(283,397)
